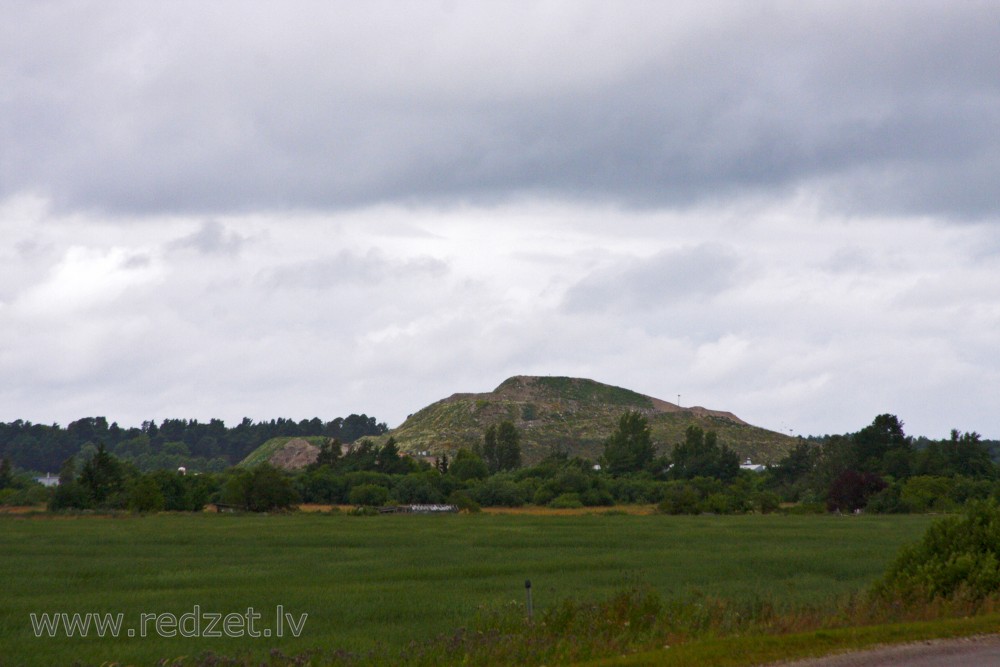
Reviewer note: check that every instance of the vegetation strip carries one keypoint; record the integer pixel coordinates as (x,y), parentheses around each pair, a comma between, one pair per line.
(743,651)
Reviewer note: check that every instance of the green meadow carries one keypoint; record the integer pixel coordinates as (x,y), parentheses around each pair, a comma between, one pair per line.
(384,581)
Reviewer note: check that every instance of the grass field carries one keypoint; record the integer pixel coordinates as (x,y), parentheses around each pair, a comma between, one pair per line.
(387,580)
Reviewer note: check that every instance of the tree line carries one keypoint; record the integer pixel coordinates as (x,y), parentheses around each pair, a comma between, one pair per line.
(878,468)
(173,442)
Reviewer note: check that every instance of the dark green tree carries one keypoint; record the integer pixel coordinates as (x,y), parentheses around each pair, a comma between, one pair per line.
(963,454)
(103,477)
(501,449)
(701,455)
(468,465)
(362,456)
(790,477)
(69,494)
(882,447)
(630,448)
(6,473)
(389,461)
(329,453)
(851,490)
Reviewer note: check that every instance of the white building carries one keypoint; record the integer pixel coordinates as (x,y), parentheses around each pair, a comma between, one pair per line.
(48,480)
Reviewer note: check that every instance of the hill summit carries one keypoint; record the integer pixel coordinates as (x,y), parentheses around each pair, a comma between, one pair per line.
(575,416)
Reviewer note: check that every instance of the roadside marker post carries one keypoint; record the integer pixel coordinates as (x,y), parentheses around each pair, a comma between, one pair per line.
(527,588)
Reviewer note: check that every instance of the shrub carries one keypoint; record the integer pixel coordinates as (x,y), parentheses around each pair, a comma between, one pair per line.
(463,502)
(851,490)
(767,502)
(637,490)
(369,495)
(35,494)
(566,501)
(322,485)
(925,493)
(680,498)
(597,497)
(263,489)
(544,495)
(144,495)
(496,492)
(888,501)
(416,488)
(467,466)
(71,495)
(958,556)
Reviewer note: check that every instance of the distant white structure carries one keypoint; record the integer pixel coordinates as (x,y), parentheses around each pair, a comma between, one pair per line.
(48,480)
(752,467)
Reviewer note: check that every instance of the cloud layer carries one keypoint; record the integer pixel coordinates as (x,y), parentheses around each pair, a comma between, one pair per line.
(787,210)
(888,108)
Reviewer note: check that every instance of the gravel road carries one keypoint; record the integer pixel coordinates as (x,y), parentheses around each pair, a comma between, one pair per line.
(979,651)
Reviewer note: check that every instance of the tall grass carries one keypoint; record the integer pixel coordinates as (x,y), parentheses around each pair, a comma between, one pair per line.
(376,586)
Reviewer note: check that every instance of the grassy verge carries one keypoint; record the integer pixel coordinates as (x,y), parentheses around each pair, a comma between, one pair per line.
(742,651)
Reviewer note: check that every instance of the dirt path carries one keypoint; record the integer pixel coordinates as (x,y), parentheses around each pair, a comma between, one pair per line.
(980,651)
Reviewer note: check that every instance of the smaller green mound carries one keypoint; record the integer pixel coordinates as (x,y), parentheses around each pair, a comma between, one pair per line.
(263,453)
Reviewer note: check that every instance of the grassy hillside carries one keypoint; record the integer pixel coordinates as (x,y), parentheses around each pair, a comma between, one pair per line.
(272,446)
(574,415)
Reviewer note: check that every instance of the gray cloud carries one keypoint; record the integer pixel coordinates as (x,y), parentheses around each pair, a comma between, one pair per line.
(347,268)
(889,107)
(651,284)
(211,238)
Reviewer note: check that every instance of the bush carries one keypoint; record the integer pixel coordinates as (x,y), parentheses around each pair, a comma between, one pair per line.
(767,502)
(680,498)
(71,495)
(463,502)
(544,495)
(467,466)
(925,493)
(851,490)
(597,497)
(416,488)
(323,485)
(263,489)
(369,495)
(144,495)
(888,501)
(566,501)
(497,491)
(958,556)
(806,508)
(635,490)
(34,494)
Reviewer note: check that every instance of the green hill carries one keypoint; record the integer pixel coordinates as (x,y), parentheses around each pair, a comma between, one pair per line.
(574,415)
(274,446)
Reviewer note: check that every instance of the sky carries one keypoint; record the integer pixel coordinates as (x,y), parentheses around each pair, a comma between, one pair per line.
(787,210)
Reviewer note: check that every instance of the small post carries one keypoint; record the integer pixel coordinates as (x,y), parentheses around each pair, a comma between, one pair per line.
(527,588)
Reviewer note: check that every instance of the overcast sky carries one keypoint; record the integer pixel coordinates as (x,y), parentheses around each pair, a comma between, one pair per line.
(787,210)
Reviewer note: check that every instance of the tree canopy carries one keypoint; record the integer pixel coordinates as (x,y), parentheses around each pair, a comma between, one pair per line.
(630,448)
